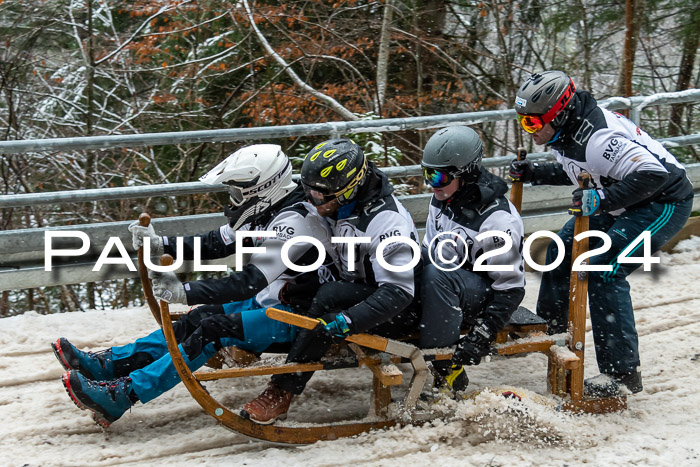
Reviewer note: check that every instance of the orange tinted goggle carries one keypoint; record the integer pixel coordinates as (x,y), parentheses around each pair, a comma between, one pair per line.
(534,123)
(531,123)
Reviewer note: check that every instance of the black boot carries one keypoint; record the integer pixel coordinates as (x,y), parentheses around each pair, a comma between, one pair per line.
(611,385)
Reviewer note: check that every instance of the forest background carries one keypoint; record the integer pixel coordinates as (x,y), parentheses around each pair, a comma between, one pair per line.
(105,67)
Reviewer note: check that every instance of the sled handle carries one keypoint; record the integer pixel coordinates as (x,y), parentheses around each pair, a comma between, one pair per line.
(365,340)
(516,188)
(584,180)
(145,221)
(578,299)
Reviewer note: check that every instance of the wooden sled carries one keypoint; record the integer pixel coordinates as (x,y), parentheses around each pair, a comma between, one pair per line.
(381,355)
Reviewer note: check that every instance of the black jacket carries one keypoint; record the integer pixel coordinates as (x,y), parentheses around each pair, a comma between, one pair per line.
(629,168)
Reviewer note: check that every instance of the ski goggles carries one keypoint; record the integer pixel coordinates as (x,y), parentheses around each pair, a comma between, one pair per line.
(534,123)
(531,123)
(236,195)
(316,197)
(437,178)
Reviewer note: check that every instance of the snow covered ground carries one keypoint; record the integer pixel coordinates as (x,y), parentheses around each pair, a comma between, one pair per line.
(41,426)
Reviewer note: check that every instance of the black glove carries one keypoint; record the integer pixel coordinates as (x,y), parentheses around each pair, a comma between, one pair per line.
(521,171)
(299,293)
(475,345)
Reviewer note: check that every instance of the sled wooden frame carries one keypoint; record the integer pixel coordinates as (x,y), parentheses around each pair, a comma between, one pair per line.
(384,375)
(568,382)
(565,354)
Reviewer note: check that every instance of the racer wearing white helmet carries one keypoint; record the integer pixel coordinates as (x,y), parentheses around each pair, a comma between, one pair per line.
(257,177)
(263,197)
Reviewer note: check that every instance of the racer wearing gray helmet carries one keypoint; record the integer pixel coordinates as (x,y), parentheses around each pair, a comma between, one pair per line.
(638,187)
(467,202)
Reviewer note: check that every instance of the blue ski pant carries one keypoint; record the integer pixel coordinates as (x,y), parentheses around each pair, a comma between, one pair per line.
(612,316)
(200,334)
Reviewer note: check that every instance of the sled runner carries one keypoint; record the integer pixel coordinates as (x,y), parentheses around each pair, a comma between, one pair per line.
(379,354)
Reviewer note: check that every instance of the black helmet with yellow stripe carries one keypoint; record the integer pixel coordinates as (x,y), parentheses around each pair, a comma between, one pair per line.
(334,169)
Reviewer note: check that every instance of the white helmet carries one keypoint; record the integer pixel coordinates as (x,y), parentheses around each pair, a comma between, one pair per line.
(257,176)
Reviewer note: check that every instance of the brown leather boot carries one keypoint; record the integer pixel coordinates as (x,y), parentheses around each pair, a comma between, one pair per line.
(269,406)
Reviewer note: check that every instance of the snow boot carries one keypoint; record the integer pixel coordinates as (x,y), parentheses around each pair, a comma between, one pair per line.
(108,400)
(269,406)
(611,385)
(97,366)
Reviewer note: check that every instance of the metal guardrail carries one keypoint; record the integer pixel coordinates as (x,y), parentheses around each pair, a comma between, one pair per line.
(22,251)
(636,104)
(187,188)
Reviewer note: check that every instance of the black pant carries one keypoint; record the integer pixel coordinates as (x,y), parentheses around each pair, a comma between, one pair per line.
(334,297)
(204,325)
(454,299)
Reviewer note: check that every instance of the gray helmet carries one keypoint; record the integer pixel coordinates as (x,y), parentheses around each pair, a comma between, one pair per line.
(456,150)
(545,94)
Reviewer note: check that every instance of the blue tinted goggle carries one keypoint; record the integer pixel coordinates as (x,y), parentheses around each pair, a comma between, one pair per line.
(437,178)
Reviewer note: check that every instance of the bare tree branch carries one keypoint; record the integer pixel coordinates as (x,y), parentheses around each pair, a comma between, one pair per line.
(332,103)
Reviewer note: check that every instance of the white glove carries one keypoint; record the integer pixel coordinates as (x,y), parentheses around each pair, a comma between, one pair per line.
(138,232)
(167,287)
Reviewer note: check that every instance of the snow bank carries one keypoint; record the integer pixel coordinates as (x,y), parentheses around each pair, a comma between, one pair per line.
(41,426)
